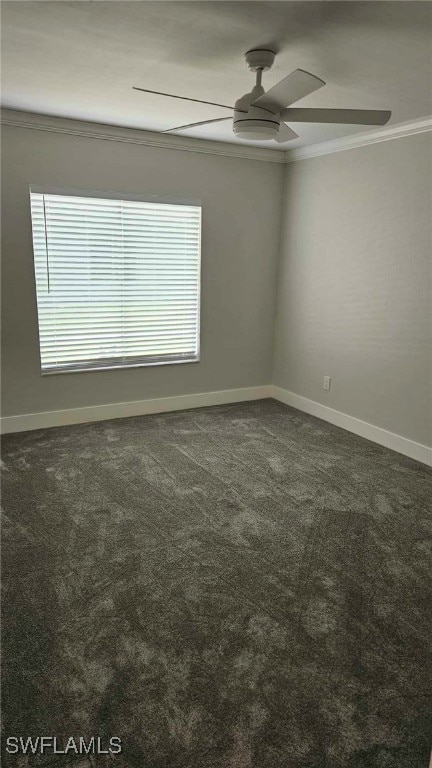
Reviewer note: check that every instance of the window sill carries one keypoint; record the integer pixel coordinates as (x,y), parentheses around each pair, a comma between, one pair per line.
(121,367)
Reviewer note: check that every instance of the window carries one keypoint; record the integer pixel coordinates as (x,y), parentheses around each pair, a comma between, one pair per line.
(117,280)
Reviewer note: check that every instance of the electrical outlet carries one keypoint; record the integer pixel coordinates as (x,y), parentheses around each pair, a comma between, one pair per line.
(326,382)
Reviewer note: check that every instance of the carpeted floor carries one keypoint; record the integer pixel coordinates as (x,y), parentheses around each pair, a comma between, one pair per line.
(242,586)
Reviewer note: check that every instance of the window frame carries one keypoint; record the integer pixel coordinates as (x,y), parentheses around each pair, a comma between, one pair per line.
(145,198)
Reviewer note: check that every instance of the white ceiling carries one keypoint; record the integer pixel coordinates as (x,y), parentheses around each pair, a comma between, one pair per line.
(81,59)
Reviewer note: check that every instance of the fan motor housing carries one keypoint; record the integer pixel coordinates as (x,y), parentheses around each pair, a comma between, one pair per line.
(256,124)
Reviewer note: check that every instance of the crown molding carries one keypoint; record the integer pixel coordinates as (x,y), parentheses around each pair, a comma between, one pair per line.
(90,130)
(386,133)
(104,132)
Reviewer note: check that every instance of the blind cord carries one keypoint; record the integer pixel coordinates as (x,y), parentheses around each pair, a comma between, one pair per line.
(46,245)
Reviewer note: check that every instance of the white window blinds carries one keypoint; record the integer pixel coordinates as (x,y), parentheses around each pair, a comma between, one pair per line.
(117,281)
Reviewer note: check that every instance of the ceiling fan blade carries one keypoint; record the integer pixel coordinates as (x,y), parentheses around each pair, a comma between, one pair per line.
(184,98)
(292,88)
(285,134)
(348,116)
(193,125)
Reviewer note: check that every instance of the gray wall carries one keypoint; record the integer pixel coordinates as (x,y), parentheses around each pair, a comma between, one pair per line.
(354,298)
(354,279)
(241,226)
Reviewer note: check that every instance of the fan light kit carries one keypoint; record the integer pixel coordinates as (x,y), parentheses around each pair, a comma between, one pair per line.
(260,115)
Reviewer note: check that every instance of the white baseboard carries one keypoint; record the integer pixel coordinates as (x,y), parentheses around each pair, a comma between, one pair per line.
(396,443)
(28,421)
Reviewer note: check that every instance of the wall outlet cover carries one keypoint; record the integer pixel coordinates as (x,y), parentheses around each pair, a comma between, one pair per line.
(326,382)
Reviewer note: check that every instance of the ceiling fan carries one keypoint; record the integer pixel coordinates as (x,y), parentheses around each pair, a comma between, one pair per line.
(260,115)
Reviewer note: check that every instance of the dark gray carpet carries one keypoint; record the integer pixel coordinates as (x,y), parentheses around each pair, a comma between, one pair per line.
(234,587)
